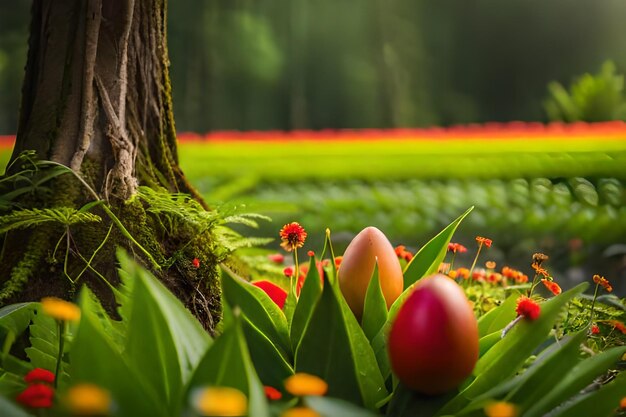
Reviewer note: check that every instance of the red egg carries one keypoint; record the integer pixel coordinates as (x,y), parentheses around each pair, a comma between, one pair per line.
(357,265)
(433,341)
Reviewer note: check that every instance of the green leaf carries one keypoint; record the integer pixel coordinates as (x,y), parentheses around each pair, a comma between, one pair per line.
(600,403)
(334,407)
(259,308)
(375,307)
(271,366)
(11,410)
(575,380)
(406,402)
(96,360)
(497,318)
(227,363)
(508,355)
(310,293)
(426,261)
(487,342)
(335,348)
(17,317)
(164,340)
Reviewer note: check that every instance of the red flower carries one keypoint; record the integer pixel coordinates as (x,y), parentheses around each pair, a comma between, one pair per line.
(272,393)
(311,253)
(595,329)
(402,253)
(484,241)
(277,294)
(338,260)
(276,258)
(552,286)
(293,236)
(39,375)
(456,247)
(527,308)
(36,396)
(196,263)
(288,271)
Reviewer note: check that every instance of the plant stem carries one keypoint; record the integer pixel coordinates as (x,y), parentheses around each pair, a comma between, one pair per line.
(471,273)
(296,273)
(532,287)
(593,303)
(61,327)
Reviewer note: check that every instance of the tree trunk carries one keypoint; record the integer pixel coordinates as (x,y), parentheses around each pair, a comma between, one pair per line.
(97,98)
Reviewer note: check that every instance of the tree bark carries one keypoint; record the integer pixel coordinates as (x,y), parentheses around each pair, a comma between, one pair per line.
(97,98)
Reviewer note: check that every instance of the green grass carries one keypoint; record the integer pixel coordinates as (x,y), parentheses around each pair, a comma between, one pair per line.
(507,158)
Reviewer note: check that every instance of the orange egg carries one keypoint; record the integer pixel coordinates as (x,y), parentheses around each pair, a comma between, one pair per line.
(357,265)
(433,341)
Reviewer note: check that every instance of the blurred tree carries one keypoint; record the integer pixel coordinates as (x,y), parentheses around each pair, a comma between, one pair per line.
(590,99)
(97,98)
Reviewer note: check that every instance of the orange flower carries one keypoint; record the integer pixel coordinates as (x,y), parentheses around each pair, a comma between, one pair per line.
(59,309)
(540,271)
(305,384)
(484,241)
(618,325)
(338,260)
(501,409)
(622,403)
(293,236)
(521,278)
(552,286)
(310,253)
(463,273)
(220,401)
(603,282)
(300,412)
(402,253)
(88,400)
(490,264)
(527,308)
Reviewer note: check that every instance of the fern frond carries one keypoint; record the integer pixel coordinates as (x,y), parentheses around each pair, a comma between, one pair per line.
(25,218)
(246,219)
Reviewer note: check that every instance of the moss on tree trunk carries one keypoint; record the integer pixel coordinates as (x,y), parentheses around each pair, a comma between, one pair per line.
(97,98)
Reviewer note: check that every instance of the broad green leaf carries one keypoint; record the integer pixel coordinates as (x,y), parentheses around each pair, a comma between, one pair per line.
(426,261)
(335,348)
(96,360)
(164,340)
(310,293)
(11,384)
(9,409)
(16,317)
(575,380)
(600,403)
(508,355)
(44,344)
(548,371)
(259,308)
(379,345)
(335,407)
(268,362)
(227,363)
(499,317)
(487,342)
(406,402)
(375,307)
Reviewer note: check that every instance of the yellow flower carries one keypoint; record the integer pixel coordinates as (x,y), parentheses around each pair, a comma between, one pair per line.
(60,309)
(300,412)
(305,384)
(501,409)
(220,401)
(88,400)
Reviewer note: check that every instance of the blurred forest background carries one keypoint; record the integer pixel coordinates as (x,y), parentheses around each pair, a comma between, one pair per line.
(260,65)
